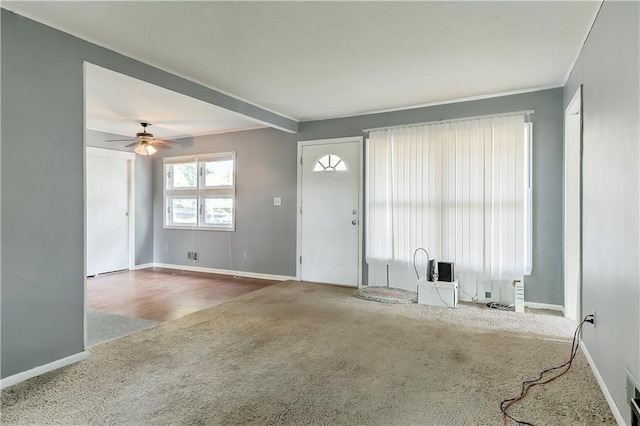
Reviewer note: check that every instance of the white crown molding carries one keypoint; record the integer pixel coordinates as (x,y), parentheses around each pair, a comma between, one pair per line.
(438,103)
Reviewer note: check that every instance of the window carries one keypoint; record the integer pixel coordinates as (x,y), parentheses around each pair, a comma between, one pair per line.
(460,189)
(199,192)
(330,163)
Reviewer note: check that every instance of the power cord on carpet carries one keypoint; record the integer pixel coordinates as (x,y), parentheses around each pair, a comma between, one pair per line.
(473,298)
(505,404)
(499,306)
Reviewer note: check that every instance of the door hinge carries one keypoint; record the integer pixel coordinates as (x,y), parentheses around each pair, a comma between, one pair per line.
(301,161)
(301,260)
(300,209)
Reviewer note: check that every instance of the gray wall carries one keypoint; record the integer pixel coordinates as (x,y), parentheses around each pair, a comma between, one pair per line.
(545,283)
(609,72)
(42,197)
(266,168)
(42,240)
(143,193)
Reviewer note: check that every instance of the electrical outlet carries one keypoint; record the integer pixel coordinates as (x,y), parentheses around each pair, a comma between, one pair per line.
(487,295)
(192,255)
(594,318)
(245,254)
(277,201)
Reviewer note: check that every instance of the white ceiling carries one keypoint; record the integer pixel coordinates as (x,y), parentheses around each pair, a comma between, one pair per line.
(116,103)
(313,60)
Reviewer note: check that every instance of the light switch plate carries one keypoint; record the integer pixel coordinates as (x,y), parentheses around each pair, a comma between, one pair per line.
(277,201)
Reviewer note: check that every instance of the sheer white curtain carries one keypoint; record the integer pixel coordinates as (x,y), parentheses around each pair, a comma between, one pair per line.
(455,188)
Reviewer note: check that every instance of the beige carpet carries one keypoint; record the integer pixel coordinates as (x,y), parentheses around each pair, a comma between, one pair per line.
(298,353)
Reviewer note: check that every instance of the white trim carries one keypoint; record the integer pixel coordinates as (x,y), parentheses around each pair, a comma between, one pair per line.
(132,211)
(536,305)
(25,375)
(572,288)
(532,305)
(200,193)
(453,120)
(222,272)
(301,144)
(607,395)
(143,266)
(85,343)
(445,102)
(190,135)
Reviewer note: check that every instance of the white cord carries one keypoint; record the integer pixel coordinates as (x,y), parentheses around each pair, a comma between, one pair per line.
(473,298)
(435,285)
(435,280)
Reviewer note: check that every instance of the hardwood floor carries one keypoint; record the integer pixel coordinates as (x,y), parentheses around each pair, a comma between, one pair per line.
(164,294)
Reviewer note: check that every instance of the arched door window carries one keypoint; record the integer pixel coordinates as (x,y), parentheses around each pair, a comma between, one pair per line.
(330,163)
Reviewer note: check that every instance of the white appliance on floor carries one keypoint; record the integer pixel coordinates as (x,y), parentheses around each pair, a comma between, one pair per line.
(438,293)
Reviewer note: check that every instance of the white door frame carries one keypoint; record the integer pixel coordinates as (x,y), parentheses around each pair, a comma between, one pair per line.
(572,286)
(302,144)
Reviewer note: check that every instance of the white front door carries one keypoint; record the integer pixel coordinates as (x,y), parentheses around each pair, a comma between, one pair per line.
(330,202)
(107,213)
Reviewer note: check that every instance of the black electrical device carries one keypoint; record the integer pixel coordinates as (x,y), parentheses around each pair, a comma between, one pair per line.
(445,272)
(431,265)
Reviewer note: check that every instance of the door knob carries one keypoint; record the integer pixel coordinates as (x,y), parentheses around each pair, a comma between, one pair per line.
(354,222)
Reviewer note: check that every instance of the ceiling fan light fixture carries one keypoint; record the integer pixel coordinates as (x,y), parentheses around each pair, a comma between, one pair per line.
(145,149)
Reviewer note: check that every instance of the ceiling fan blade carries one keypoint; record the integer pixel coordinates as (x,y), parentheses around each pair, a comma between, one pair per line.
(131,144)
(167,140)
(119,140)
(160,144)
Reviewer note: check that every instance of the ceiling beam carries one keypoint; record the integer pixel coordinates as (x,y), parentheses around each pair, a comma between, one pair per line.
(150,74)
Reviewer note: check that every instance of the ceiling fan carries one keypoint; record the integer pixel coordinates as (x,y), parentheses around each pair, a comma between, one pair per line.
(146,144)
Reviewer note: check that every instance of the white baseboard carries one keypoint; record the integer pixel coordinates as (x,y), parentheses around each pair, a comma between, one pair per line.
(533,305)
(21,377)
(536,305)
(603,386)
(143,266)
(222,272)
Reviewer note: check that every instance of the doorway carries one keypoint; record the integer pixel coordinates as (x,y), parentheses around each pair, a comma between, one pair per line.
(573,207)
(329,245)
(109,210)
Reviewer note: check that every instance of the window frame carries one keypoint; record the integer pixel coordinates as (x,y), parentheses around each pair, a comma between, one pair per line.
(201,192)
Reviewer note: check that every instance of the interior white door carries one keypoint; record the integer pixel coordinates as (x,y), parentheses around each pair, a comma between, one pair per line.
(572,208)
(330,213)
(107,214)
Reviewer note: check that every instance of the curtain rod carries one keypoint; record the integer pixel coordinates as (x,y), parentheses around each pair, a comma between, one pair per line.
(427,123)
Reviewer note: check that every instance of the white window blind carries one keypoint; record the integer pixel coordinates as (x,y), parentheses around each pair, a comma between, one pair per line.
(458,189)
